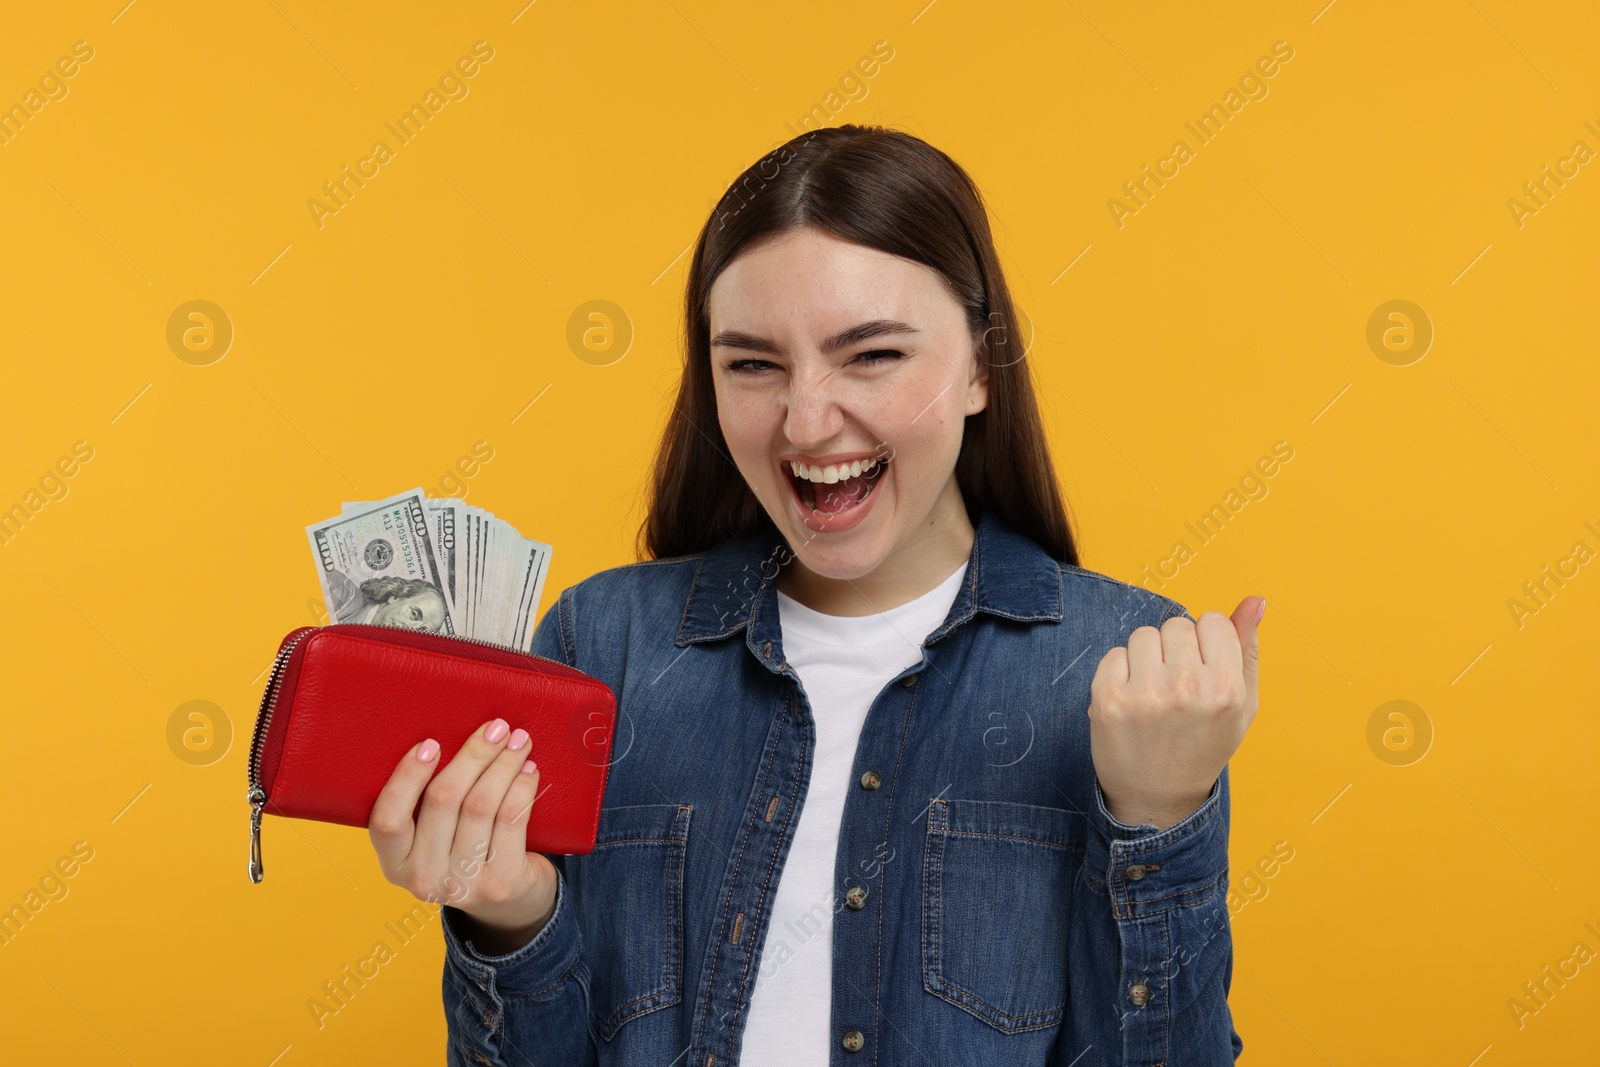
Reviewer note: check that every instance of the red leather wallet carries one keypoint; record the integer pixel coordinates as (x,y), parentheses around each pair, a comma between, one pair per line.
(345,702)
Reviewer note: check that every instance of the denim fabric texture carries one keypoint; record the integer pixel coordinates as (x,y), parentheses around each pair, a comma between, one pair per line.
(1007,918)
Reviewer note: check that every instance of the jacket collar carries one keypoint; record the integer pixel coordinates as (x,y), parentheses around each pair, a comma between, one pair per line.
(1008,575)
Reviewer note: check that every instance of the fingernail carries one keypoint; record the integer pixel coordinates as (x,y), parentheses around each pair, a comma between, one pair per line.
(428,750)
(519,737)
(496,731)
(1262,610)
(528,767)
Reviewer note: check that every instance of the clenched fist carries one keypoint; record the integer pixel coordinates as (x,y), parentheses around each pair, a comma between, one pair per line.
(1168,711)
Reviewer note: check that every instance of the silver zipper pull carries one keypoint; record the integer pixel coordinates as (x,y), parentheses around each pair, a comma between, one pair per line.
(258,800)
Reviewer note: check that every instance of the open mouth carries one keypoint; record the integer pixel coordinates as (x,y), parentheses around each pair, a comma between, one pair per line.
(831,500)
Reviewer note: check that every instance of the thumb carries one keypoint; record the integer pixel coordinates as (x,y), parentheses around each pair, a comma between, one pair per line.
(1245,619)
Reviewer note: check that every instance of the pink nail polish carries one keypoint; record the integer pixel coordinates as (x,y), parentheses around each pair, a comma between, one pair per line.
(519,737)
(528,767)
(428,750)
(496,731)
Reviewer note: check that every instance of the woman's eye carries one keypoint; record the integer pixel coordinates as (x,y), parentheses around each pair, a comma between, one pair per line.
(758,366)
(879,356)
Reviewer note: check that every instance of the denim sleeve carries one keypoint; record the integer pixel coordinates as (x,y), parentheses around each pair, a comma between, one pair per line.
(1151,958)
(531,1005)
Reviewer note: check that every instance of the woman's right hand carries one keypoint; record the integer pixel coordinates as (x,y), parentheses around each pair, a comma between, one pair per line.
(468,845)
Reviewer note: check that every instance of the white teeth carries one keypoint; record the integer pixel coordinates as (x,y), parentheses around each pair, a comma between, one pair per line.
(832,474)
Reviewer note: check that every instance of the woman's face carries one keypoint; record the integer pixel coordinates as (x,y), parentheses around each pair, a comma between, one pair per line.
(828,352)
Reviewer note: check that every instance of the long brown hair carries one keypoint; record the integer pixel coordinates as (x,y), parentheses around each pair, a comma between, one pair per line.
(892,191)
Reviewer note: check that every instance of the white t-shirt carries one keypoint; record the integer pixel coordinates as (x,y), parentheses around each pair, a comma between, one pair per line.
(844,663)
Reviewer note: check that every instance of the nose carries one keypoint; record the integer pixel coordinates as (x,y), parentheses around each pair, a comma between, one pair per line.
(813,416)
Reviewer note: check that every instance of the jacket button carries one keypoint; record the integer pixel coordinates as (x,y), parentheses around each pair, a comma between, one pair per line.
(909,680)
(856,898)
(1135,872)
(852,1041)
(871,780)
(1139,995)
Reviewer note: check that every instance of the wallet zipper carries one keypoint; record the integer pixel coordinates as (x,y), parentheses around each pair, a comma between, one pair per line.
(269,701)
(257,796)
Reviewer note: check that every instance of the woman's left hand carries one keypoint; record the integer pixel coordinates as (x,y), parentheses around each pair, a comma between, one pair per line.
(1169,710)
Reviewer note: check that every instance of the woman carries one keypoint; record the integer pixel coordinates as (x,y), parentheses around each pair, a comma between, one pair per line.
(893,774)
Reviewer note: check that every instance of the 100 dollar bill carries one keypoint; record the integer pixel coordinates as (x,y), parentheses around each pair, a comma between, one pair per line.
(377,564)
(488,578)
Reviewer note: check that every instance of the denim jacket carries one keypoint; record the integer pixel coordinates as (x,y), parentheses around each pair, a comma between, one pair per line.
(988,908)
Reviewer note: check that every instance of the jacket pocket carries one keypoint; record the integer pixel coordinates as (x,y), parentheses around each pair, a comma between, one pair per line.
(629,897)
(997,879)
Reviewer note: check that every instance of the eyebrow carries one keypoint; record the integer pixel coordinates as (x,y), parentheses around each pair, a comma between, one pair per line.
(854,335)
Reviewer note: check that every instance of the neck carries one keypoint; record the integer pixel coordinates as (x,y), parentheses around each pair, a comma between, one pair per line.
(932,552)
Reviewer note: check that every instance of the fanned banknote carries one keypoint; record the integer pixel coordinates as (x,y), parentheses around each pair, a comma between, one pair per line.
(457,570)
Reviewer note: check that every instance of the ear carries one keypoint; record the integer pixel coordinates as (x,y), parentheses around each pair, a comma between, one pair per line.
(978,386)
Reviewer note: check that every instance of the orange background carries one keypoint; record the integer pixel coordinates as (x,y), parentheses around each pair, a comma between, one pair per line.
(432,311)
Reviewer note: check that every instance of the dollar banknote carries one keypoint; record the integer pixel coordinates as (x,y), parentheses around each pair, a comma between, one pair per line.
(484,579)
(376,563)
